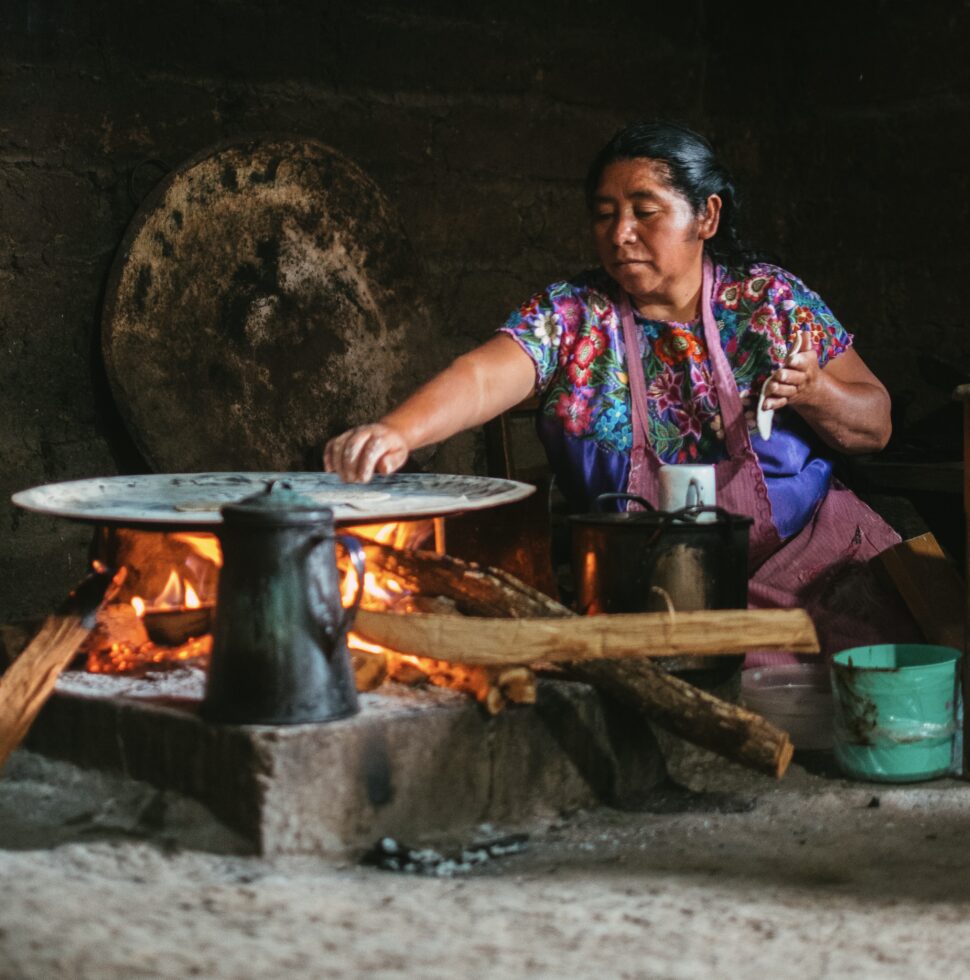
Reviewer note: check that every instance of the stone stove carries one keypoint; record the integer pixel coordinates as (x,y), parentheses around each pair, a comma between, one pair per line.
(414,762)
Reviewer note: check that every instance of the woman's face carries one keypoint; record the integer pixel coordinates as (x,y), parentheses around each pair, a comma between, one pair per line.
(647,236)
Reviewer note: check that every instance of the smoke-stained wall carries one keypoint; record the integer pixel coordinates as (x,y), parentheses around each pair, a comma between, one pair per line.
(844,126)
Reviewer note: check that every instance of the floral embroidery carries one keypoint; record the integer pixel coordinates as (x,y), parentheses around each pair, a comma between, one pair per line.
(730,295)
(574,335)
(575,411)
(547,329)
(677,345)
(754,288)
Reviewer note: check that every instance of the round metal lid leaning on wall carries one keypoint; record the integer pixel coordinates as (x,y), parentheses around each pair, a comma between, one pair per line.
(264,298)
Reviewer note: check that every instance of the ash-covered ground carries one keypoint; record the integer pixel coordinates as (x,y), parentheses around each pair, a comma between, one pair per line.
(734,875)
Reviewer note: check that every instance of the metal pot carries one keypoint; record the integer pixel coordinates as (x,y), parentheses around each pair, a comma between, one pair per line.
(279,652)
(650,561)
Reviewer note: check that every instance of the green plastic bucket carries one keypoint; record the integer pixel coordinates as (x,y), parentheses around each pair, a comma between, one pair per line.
(895,711)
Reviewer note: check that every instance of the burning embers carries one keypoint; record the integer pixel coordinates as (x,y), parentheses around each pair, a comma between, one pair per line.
(164,614)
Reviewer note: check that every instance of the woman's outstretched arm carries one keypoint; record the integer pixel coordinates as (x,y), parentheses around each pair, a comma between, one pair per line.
(473,389)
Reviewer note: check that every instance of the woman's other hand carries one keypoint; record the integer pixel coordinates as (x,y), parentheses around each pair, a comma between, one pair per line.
(356,455)
(795,380)
(844,402)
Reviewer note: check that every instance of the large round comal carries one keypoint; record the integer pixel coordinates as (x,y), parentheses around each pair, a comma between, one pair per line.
(265,297)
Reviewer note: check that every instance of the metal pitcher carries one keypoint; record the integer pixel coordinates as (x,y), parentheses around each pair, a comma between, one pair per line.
(279,653)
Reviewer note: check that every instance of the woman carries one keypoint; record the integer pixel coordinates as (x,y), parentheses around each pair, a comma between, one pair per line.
(711,331)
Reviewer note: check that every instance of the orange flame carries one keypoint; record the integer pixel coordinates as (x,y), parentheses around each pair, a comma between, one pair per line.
(204,545)
(380,592)
(171,595)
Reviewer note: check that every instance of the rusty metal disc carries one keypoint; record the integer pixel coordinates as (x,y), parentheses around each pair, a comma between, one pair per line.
(264,298)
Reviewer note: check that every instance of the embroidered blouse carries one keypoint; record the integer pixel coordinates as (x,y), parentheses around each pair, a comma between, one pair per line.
(573,334)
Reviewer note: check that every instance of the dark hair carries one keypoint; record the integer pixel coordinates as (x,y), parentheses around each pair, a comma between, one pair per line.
(692,170)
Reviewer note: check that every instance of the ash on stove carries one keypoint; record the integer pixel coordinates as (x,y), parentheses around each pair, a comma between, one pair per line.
(389,854)
(184,682)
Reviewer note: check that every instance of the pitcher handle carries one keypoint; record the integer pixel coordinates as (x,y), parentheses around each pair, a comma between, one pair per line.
(356,554)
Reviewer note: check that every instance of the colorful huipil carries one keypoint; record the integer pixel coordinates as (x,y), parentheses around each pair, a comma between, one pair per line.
(573,333)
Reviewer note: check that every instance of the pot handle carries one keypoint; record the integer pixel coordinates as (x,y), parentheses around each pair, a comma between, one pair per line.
(691,512)
(603,497)
(356,555)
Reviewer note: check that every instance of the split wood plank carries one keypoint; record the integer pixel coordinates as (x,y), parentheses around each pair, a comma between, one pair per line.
(492,641)
(931,587)
(27,683)
(962,393)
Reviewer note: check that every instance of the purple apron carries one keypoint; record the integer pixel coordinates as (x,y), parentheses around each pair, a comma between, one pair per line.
(821,568)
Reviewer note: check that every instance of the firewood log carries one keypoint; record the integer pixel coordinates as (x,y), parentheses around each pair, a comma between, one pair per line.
(484,641)
(691,713)
(474,589)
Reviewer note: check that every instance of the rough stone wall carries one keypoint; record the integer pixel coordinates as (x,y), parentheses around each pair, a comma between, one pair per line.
(844,125)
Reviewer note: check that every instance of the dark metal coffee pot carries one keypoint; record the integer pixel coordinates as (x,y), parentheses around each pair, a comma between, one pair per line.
(279,654)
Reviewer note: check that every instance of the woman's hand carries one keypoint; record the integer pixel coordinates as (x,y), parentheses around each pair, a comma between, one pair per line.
(844,402)
(356,455)
(796,380)
(475,388)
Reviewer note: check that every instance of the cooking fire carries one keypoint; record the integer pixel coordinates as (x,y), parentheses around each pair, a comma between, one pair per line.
(173,626)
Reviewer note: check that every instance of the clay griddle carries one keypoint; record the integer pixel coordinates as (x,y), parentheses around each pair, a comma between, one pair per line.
(264,298)
(192,500)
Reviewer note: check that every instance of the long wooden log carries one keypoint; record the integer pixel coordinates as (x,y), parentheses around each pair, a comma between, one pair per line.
(481,641)
(29,680)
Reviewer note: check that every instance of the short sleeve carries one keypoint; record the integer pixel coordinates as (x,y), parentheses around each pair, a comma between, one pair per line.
(540,328)
(805,310)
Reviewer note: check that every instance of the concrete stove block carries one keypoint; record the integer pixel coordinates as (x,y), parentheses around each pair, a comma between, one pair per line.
(413,764)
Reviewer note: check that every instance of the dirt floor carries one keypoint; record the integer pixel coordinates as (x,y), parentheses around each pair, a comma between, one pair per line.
(810,877)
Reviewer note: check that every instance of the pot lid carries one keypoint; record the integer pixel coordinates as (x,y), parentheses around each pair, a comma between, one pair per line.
(264,298)
(193,500)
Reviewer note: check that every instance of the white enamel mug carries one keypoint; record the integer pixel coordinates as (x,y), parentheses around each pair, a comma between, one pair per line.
(688,485)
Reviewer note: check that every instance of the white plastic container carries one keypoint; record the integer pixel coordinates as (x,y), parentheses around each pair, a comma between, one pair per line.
(795,697)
